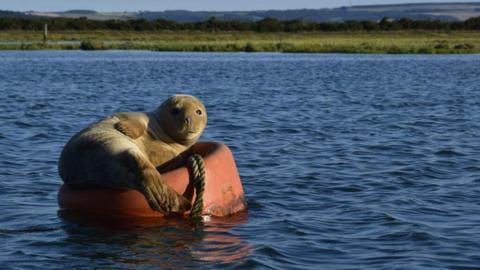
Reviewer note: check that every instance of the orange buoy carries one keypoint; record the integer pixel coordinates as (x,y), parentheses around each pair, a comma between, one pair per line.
(223,189)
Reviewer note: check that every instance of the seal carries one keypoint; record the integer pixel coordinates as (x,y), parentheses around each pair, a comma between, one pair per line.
(129,150)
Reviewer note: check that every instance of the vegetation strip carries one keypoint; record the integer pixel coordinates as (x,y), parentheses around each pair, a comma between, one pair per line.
(268,35)
(213,24)
(305,42)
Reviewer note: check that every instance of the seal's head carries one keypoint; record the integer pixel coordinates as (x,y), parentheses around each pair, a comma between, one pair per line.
(183,118)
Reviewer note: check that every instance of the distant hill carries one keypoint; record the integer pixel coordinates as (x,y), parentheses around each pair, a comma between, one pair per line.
(91,14)
(440,11)
(81,11)
(13,14)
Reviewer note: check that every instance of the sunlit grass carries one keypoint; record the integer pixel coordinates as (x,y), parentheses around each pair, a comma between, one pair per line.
(312,42)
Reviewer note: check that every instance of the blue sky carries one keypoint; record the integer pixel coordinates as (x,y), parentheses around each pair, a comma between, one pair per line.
(157,5)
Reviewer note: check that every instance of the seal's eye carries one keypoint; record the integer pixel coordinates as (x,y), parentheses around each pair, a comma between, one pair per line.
(199,112)
(175,111)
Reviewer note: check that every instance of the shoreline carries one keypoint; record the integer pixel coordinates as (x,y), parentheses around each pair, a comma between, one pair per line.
(389,42)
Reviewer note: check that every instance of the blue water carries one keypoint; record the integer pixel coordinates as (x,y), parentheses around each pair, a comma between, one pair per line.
(348,161)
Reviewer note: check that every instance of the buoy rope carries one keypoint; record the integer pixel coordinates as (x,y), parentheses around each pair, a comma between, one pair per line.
(196,167)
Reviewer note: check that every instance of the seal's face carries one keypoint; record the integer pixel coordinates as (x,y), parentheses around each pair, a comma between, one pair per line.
(184,118)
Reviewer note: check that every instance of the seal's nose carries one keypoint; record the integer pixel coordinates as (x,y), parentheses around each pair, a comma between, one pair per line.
(188,121)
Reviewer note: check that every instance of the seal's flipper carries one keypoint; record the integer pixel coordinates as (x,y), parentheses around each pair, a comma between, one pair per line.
(159,195)
(130,128)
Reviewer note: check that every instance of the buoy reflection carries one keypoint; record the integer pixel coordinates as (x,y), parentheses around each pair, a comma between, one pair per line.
(160,242)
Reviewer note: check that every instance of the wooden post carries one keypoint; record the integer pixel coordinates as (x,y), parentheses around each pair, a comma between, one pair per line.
(45,33)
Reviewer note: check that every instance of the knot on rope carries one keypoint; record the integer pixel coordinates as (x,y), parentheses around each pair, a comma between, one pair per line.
(196,169)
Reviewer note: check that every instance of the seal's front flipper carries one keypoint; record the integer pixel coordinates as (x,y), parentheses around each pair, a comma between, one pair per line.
(160,196)
(130,128)
(151,184)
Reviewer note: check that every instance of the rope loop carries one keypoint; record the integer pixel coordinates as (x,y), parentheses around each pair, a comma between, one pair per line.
(196,167)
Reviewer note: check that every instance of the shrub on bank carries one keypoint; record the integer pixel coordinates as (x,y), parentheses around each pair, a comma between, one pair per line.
(91,46)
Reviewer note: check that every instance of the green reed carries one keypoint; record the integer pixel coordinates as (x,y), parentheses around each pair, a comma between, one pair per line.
(399,42)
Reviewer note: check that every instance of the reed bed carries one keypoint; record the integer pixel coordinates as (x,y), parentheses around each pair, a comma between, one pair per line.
(401,42)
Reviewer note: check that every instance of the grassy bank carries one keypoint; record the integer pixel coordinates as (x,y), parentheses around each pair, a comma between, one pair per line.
(311,42)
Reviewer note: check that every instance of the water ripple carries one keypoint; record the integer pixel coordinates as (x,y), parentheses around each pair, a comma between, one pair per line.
(348,161)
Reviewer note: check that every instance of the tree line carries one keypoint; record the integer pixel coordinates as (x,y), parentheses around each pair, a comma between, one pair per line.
(213,24)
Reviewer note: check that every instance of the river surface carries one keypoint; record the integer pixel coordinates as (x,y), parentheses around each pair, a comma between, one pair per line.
(348,161)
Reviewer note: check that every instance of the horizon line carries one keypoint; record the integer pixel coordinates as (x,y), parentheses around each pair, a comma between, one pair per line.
(249,10)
